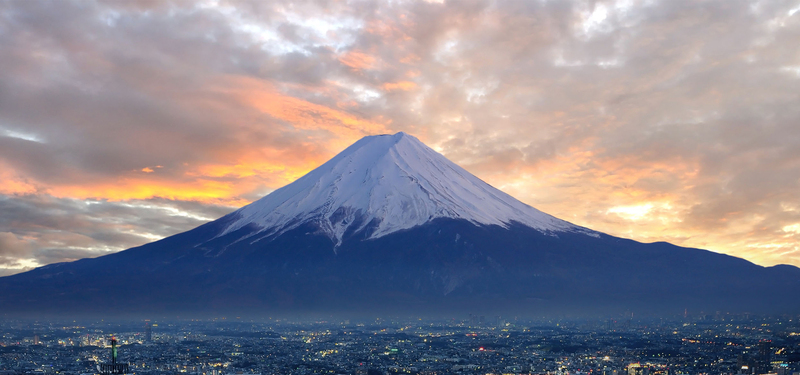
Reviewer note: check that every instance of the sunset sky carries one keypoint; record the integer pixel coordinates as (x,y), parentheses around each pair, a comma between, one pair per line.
(124,122)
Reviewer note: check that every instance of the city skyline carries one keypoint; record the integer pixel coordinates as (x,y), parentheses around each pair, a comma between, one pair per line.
(699,344)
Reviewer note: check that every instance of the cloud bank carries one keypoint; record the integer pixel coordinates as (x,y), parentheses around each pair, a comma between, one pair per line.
(124,122)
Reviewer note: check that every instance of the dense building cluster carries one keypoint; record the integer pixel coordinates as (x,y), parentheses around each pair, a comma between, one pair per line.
(706,345)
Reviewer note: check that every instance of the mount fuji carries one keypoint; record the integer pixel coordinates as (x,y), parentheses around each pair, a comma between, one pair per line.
(384,184)
(391,226)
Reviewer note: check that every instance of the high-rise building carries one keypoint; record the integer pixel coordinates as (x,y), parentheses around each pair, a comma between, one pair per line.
(763,360)
(744,364)
(637,369)
(148,333)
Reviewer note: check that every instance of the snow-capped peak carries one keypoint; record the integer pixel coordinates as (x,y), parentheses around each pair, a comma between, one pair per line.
(390,182)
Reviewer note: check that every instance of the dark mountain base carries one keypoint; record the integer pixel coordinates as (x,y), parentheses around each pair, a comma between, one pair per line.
(442,268)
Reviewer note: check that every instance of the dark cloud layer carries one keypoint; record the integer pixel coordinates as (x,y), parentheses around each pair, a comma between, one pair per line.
(657,120)
(49,229)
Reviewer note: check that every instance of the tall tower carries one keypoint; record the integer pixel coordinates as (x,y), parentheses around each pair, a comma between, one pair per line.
(113,368)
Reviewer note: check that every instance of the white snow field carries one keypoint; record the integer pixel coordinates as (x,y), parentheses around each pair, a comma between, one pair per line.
(397,181)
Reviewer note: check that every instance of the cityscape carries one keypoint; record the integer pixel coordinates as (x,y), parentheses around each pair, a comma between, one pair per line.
(471,344)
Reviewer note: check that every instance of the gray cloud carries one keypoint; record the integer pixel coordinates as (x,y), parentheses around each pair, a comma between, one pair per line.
(13,248)
(69,229)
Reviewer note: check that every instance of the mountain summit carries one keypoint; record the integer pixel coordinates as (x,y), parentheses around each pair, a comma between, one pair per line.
(383,184)
(391,226)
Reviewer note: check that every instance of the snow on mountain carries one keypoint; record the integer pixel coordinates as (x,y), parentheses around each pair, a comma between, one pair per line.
(394,181)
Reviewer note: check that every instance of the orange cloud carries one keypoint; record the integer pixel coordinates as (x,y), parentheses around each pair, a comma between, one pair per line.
(11,183)
(270,167)
(11,186)
(358,60)
(387,30)
(402,85)
(233,171)
(217,183)
(225,181)
(201,190)
(298,113)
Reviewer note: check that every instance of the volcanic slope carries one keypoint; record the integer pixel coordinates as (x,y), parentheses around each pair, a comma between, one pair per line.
(391,226)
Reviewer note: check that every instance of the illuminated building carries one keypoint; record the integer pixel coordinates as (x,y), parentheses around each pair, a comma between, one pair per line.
(113,368)
(637,369)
